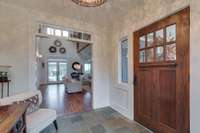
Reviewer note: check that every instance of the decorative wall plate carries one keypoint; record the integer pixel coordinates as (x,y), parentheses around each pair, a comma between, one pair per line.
(76,66)
(52,49)
(62,50)
(57,43)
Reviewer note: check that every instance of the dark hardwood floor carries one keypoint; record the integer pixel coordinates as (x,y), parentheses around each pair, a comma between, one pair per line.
(55,97)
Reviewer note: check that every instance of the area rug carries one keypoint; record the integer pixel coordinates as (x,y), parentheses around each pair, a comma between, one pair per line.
(104,120)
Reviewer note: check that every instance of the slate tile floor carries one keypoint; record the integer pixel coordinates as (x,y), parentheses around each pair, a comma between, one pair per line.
(104,120)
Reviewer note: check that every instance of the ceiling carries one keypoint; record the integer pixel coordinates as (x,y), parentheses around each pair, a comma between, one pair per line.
(112,10)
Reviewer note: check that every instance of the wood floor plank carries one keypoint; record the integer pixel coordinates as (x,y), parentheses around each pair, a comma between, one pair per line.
(55,97)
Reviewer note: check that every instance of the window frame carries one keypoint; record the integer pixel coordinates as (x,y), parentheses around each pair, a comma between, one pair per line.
(50,30)
(119,76)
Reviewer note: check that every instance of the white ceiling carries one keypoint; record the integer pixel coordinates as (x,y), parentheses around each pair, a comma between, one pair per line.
(112,10)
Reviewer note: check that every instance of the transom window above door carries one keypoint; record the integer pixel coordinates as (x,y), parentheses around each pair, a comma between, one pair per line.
(66,33)
(158,46)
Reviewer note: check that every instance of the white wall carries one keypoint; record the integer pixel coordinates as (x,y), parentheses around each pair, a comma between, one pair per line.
(17,48)
(13,46)
(194,66)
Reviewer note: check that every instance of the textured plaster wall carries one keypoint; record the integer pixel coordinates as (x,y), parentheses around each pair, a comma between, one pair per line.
(147,12)
(14,45)
(17,48)
(194,65)
(103,15)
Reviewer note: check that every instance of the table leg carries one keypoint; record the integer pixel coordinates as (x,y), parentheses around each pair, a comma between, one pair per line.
(8,87)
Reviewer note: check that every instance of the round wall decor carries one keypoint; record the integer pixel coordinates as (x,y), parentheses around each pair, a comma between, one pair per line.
(57,43)
(52,49)
(76,66)
(62,50)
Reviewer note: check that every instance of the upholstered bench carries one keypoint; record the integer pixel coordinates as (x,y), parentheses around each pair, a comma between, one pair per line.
(37,118)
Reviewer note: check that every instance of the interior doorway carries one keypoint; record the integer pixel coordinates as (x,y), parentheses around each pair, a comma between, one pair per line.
(161,80)
(64,69)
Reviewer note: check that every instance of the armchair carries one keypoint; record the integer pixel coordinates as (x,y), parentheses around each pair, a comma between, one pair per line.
(72,85)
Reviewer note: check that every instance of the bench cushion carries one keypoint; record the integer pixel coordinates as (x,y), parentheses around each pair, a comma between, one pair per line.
(39,120)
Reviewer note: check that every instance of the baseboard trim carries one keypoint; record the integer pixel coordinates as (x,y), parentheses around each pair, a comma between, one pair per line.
(125,112)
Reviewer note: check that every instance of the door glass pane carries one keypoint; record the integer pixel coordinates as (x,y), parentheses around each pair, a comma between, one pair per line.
(150,55)
(150,39)
(142,56)
(171,52)
(159,53)
(52,71)
(159,37)
(142,42)
(62,70)
(171,33)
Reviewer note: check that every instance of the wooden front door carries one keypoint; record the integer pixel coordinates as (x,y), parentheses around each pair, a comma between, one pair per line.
(161,74)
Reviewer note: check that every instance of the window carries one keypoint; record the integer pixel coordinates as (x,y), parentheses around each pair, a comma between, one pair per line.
(123,76)
(87,68)
(58,32)
(50,31)
(65,33)
(158,46)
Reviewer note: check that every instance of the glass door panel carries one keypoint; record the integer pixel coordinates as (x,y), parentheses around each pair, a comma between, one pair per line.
(62,70)
(52,71)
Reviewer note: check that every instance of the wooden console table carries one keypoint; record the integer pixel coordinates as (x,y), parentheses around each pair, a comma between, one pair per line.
(2,87)
(12,118)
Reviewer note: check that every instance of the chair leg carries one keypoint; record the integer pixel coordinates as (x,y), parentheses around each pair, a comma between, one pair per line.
(55,124)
